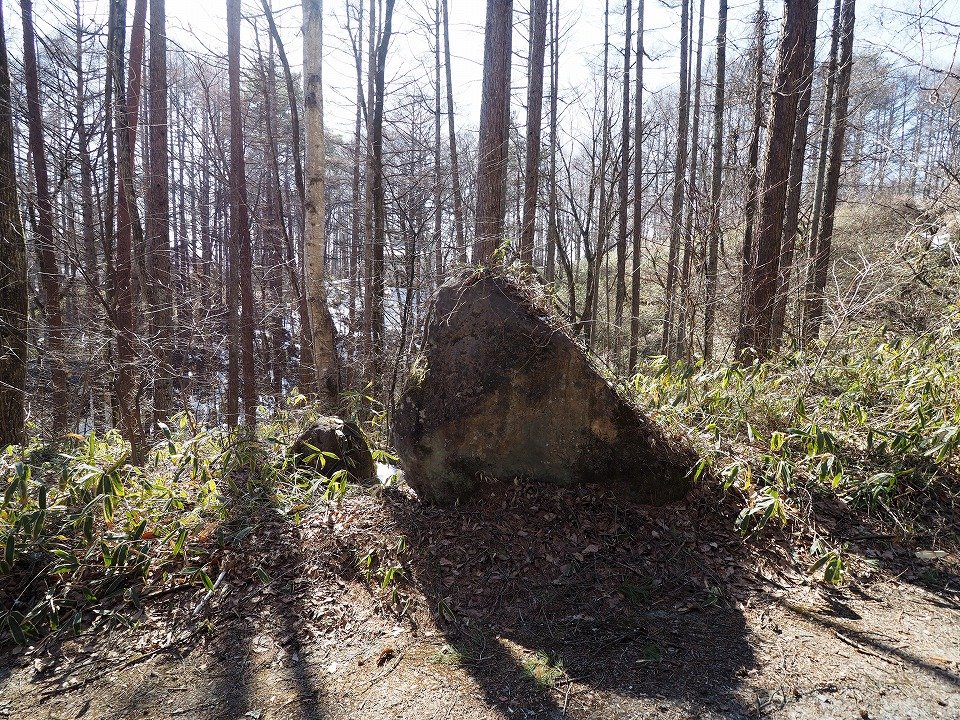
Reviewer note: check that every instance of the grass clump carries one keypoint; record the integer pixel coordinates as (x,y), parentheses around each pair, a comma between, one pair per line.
(872,422)
(85,534)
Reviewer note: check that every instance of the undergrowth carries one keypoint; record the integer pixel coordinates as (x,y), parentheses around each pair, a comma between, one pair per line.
(85,536)
(872,422)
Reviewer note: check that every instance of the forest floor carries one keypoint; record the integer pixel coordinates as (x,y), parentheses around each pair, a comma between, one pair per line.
(525,602)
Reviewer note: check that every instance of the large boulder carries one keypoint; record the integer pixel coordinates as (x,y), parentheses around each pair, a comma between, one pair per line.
(500,390)
(332,444)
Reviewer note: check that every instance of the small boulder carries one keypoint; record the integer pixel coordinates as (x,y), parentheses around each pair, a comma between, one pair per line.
(500,390)
(342,438)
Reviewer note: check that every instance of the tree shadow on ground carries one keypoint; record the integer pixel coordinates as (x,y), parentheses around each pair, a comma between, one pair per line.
(833,620)
(265,551)
(538,589)
(909,556)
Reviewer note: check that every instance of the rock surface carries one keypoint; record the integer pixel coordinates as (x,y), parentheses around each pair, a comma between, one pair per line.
(499,391)
(342,438)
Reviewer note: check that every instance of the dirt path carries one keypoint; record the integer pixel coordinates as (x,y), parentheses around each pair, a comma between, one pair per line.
(528,603)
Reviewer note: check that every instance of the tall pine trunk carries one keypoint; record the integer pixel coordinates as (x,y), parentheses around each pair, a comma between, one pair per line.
(531,180)
(755,332)
(158,213)
(494,129)
(791,222)
(679,176)
(454,158)
(713,240)
(49,271)
(13,274)
(624,180)
(637,199)
(326,366)
(821,257)
(240,219)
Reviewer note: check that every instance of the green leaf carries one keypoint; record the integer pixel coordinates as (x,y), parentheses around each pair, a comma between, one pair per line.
(16,631)
(207,582)
(181,539)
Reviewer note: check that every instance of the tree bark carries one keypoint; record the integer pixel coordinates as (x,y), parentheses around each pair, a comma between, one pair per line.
(821,260)
(326,365)
(494,129)
(791,222)
(13,274)
(686,310)
(240,218)
(306,340)
(679,176)
(553,231)
(376,279)
(158,212)
(531,179)
(822,157)
(49,271)
(454,158)
(753,162)
(713,241)
(755,332)
(637,199)
(624,180)
(437,180)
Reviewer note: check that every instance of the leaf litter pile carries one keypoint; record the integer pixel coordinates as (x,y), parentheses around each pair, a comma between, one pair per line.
(526,601)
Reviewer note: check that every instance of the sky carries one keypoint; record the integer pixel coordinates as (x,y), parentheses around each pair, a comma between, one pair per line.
(890,25)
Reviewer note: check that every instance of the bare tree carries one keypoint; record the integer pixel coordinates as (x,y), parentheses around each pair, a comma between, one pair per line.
(637,199)
(158,211)
(314,240)
(454,158)
(624,180)
(821,253)
(531,179)
(13,274)
(716,180)
(791,222)
(49,271)
(755,335)
(375,278)
(679,176)
(240,218)
(494,128)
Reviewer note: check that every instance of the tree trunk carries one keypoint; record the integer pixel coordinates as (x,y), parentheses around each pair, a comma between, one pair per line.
(494,129)
(49,271)
(306,340)
(679,176)
(326,365)
(621,291)
(713,242)
(685,310)
(240,218)
(13,274)
(124,135)
(822,156)
(158,212)
(821,260)
(553,231)
(791,221)
(755,333)
(753,162)
(637,199)
(376,279)
(454,159)
(437,180)
(531,179)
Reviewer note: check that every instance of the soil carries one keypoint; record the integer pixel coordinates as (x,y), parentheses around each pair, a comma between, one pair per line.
(527,601)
